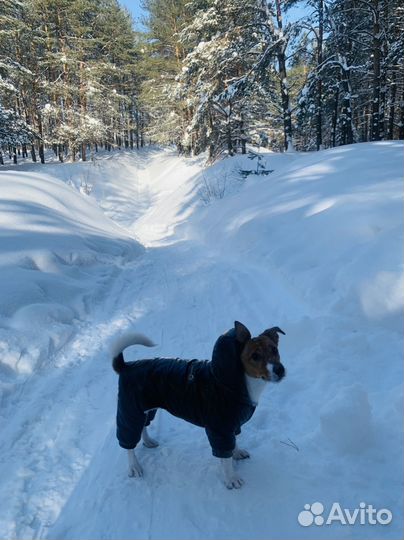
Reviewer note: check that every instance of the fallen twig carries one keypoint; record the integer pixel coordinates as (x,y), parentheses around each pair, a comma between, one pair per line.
(291,444)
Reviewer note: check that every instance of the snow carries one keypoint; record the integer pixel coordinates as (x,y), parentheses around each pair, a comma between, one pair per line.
(315,247)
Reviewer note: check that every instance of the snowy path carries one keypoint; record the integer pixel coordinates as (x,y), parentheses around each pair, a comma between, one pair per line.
(60,465)
(51,444)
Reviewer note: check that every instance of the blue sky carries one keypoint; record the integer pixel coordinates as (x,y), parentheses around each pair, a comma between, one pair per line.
(134,8)
(137,12)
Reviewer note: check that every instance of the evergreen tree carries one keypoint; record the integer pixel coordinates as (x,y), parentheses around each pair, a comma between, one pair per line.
(207,74)
(220,77)
(69,68)
(14,132)
(361,74)
(161,57)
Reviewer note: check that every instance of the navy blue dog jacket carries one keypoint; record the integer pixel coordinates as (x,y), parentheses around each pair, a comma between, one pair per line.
(210,394)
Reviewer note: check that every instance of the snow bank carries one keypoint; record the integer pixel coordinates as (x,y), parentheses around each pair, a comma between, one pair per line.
(346,420)
(329,222)
(57,250)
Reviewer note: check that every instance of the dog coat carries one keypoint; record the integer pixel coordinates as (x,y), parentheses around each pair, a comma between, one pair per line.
(210,394)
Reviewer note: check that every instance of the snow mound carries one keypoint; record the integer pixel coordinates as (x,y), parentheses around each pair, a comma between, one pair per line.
(346,420)
(58,251)
(329,223)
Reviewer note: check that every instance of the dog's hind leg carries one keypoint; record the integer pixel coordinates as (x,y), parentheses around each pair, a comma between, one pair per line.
(135,469)
(147,440)
(130,422)
(239,453)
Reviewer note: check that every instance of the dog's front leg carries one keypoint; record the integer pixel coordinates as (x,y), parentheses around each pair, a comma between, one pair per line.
(231,478)
(135,469)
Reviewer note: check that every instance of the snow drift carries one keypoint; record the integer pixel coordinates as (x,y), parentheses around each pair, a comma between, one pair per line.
(57,249)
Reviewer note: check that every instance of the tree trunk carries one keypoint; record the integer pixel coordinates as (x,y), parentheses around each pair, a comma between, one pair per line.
(346,110)
(142,141)
(83,105)
(392,111)
(382,107)
(243,137)
(335,119)
(41,147)
(364,123)
(401,123)
(229,133)
(376,72)
(229,141)
(41,151)
(287,117)
(137,129)
(319,113)
(33,154)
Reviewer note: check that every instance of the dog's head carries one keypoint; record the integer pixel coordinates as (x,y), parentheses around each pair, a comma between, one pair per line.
(260,355)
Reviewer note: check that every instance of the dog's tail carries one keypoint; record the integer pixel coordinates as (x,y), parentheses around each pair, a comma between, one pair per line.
(120,344)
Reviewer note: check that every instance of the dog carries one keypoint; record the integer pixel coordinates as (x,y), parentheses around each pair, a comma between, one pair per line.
(219,395)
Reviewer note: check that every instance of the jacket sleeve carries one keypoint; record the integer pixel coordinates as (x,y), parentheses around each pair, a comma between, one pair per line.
(222,442)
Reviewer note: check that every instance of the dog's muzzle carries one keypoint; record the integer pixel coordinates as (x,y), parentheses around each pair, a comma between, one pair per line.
(277,372)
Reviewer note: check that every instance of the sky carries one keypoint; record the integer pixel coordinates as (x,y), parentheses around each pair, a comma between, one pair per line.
(137,12)
(134,7)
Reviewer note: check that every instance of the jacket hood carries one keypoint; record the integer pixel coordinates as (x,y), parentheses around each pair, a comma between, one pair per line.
(226,364)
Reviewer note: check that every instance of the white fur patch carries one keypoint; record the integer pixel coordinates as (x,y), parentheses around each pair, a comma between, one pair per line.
(120,343)
(255,388)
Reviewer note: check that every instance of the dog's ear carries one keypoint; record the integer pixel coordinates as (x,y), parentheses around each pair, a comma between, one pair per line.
(242,333)
(272,333)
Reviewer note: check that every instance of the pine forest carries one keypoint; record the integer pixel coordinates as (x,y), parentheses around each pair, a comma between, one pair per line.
(204,75)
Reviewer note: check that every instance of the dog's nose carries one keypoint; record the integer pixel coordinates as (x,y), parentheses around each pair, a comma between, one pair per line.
(279,371)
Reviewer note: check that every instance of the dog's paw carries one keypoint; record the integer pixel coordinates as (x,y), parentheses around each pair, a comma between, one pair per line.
(235,482)
(150,443)
(239,453)
(135,471)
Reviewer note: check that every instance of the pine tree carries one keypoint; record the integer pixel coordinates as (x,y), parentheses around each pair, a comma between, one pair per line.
(71,72)
(14,132)
(361,73)
(221,77)
(14,77)
(161,57)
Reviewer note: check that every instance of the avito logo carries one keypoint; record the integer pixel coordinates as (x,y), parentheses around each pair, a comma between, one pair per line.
(364,514)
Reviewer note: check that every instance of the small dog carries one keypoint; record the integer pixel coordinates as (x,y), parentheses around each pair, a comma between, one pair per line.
(219,395)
